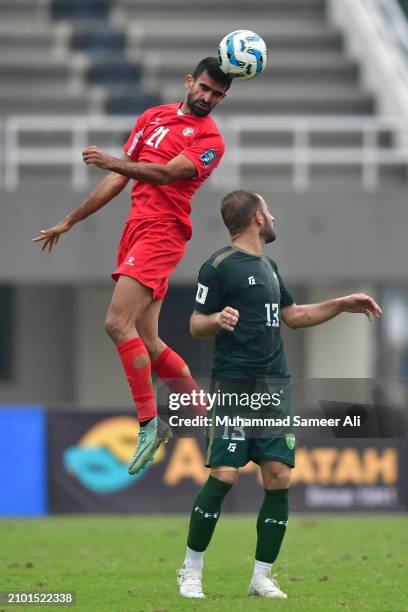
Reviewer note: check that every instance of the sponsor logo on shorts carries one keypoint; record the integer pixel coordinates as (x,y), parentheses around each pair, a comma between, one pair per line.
(188,131)
(232,447)
(251,280)
(290,440)
(208,157)
(130,261)
(202,292)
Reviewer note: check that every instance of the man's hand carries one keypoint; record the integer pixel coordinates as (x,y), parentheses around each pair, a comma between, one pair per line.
(51,236)
(360,302)
(228,318)
(93,155)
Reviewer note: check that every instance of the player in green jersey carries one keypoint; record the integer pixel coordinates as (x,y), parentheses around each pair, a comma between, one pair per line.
(241,300)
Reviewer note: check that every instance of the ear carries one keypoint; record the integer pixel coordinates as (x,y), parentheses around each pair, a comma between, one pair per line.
(188,83)
(259,217)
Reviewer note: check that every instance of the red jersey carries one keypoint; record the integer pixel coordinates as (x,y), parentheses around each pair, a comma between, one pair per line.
(160,134)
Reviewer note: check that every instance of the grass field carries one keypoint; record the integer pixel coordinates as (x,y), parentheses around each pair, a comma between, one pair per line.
(128,563)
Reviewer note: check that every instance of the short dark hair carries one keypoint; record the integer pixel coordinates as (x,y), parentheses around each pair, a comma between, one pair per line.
(238,208)
(211,65)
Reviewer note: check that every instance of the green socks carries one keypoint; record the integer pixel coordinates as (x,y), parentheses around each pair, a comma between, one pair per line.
(205,513)
(271,525)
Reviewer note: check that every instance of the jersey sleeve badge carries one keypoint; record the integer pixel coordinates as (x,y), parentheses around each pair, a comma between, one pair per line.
(202,292)
(208,157)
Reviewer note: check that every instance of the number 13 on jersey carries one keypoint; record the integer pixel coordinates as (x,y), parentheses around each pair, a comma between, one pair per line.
(272,315)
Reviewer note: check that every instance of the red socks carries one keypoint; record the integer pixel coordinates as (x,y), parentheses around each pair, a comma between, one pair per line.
(169,366)
(136,362)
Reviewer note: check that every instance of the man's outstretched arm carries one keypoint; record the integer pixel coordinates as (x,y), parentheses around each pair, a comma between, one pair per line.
(204,326)
(307,315)
(158,174)
(109,187)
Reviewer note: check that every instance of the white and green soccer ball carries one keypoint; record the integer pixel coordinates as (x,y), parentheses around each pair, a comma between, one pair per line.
(242,54)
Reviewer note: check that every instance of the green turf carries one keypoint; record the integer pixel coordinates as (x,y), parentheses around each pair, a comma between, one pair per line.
(128,563)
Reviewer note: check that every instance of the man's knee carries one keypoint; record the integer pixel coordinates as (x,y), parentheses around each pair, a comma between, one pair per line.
(275,475)
(116,325)
(226,474)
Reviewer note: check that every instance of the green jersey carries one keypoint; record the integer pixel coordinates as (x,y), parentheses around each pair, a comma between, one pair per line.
(252,285)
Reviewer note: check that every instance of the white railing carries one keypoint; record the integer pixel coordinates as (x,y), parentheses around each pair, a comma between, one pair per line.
(301,154)
(394,26)
(376,34)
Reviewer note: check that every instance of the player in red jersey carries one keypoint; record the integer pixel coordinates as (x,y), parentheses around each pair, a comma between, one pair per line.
(171,151)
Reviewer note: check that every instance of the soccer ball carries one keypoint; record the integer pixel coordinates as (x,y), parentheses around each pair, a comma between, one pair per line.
(242,54)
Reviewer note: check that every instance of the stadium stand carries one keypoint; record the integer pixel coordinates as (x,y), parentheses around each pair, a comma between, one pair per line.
(307,71)
(37,76)
(307,134)
(100,57)
(92,57)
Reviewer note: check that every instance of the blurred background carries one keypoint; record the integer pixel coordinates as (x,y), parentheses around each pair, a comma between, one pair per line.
(322,135)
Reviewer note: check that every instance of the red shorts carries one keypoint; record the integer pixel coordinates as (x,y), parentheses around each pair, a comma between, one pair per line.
(150,250)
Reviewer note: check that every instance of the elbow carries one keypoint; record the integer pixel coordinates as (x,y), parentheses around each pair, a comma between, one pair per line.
(196,333)
(293,324)
(193,333)
(166,177)
(193,330)
(292,317)
(298,322)
(162,181)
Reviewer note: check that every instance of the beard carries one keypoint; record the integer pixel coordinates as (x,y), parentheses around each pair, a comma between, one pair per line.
(267,233)
(269,236)
(195,109)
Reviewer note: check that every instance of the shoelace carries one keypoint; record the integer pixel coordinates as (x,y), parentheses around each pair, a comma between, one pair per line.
(142,438)
(192,580)
(272,578)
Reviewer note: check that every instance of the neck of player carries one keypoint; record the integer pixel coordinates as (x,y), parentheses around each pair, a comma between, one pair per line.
(185,109)
(252,244)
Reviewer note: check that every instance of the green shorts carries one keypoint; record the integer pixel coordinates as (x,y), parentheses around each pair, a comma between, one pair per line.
(263,430)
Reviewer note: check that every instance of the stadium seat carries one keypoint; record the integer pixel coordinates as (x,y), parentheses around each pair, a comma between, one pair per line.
(80,9)
(113,72)
(99,40)
(125,103)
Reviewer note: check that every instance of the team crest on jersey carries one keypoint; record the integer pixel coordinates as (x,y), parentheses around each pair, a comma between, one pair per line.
(290,440)
(188,131)
(208,157)
(202,292)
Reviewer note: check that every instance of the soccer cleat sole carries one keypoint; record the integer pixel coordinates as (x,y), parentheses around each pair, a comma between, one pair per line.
(253,593)
(162,439)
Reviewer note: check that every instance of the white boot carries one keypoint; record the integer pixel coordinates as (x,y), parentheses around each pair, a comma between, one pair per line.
(264,585)
(190,582)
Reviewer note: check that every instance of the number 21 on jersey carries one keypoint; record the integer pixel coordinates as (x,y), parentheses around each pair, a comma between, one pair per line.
(157,136)
(272,315)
